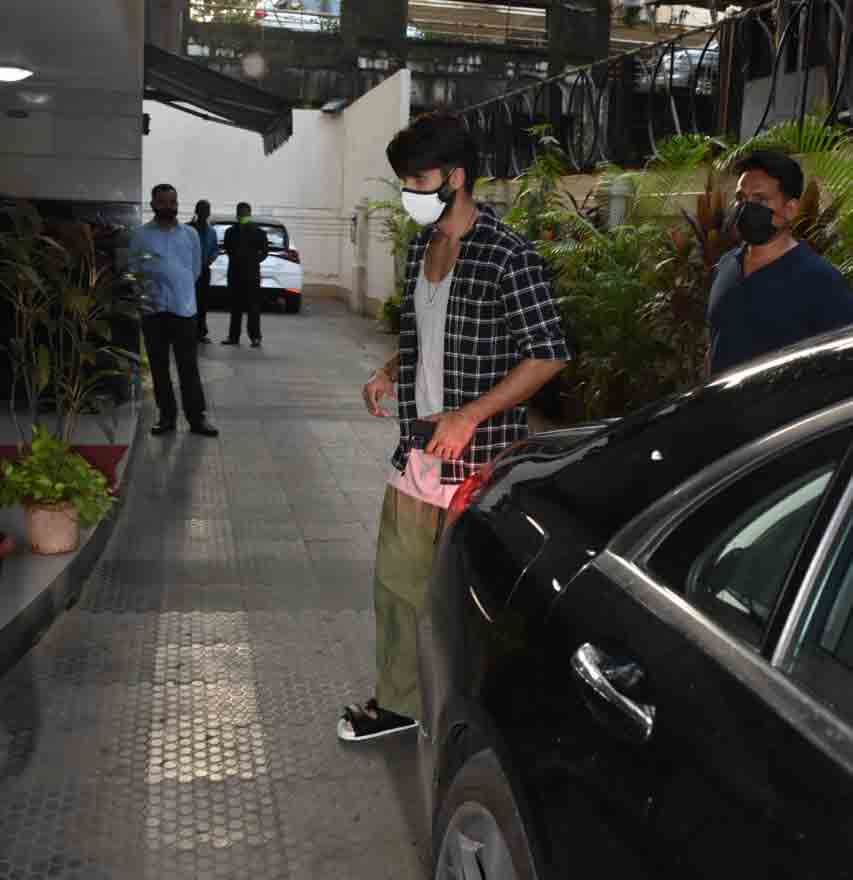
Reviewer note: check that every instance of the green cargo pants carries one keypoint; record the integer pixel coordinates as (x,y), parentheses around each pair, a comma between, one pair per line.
(409,530)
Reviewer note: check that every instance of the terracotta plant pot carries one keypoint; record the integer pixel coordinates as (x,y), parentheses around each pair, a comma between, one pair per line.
(52,528)
(7,545)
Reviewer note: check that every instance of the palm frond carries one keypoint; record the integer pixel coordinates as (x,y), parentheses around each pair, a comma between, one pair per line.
(812,137)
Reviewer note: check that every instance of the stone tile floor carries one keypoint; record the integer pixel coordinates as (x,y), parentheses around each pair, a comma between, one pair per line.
(179,722)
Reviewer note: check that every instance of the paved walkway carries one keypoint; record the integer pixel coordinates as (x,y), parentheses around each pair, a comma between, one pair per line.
(179,722)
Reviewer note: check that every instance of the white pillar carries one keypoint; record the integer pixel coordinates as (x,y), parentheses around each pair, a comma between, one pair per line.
(620,192)
(361,241)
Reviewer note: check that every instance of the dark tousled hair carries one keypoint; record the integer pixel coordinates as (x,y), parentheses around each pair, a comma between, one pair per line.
(435,140)
(202,206)
(161,187)
(782,168)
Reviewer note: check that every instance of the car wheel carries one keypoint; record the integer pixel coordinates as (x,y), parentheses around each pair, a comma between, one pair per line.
(479,832)
(293,304)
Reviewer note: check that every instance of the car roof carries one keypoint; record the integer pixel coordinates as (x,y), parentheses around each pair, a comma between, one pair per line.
(219,219)
(611,477)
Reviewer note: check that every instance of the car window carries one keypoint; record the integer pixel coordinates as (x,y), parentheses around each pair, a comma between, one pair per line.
(821,654)
(730,557)
(277,237)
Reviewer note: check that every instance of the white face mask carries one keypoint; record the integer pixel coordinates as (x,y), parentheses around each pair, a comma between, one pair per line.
(427,207)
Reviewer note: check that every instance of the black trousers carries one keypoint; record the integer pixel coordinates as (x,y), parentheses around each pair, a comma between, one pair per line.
(163,333)
(245,298)
(202,296)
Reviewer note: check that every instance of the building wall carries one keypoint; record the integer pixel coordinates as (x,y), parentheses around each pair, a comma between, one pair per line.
(787,98)
(73,130)
(164,24)
(300,183)
(314,183)
(370,123)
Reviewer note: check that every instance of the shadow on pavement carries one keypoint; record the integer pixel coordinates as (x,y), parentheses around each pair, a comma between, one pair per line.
(400,754)
(20,719)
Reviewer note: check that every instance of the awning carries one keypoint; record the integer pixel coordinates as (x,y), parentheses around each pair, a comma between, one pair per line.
(178,82)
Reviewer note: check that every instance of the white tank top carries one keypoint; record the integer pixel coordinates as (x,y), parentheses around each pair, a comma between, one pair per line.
(422,477)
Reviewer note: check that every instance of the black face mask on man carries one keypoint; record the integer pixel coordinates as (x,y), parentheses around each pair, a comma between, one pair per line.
(755,223)
(166,214)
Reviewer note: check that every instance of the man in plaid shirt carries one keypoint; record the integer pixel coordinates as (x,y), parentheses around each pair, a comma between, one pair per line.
(479,335)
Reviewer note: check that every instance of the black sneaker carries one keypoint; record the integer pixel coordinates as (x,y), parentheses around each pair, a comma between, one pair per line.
(230,341)
(164,426)
(204,428)
(362,723)
(256,343)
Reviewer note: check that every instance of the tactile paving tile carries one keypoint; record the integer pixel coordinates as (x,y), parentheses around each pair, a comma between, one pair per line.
(179,722)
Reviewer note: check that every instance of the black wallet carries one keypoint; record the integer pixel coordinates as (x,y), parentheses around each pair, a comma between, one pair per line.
(422,432)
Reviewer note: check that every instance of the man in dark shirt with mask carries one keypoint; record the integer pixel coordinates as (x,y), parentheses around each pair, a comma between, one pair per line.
(772,291)
(247,247)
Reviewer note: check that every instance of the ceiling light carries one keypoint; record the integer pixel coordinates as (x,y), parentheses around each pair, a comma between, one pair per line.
(14,74)
(37,98)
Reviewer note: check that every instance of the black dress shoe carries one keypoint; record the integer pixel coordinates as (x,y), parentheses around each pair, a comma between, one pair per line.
(230,341)
(204,428)
(256,343)
(164,426)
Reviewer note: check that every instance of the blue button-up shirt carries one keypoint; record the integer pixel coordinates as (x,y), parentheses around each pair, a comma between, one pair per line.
(210,247)
(209,244)
(171,260)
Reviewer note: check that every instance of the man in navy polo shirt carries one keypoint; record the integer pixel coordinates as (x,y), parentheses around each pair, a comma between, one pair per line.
(772,291)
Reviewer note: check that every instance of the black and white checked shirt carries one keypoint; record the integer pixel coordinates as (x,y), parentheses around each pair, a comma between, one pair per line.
(500,310)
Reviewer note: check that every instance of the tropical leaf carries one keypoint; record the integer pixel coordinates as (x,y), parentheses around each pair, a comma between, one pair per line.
(76,300)
(103,329)
(28,222)
(810,138)
(42,368)
(28,273)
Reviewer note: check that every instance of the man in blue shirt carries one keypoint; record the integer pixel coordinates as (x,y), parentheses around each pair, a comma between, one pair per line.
(169,253)
(772,291)
(209,252)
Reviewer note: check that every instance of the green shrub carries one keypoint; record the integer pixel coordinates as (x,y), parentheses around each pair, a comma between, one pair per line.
(389,311)
(603,281)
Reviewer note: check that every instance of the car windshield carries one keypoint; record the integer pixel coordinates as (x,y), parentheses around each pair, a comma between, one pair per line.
(276,235)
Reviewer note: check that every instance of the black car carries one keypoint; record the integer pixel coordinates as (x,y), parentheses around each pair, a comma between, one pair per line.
(637,650)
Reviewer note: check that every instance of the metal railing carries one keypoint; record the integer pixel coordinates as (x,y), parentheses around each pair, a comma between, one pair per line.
(776,61)
(510,24)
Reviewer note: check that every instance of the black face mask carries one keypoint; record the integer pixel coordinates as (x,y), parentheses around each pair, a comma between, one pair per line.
(755,223)
(167,214)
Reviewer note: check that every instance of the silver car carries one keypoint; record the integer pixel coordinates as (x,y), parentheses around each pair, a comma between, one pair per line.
(684,68)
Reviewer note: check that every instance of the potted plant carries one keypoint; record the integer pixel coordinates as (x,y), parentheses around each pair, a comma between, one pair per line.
(59,490)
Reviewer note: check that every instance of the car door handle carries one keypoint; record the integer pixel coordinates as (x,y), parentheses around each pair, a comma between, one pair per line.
(597,671)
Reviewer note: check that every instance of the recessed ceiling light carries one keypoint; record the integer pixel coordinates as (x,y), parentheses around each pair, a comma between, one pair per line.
(14,74)
(34,97)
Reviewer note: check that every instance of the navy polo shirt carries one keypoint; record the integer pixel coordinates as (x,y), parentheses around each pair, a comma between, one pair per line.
(798,295)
